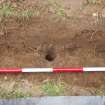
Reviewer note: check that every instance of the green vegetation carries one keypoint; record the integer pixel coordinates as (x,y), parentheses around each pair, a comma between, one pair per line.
(60,12)
(95,1)
(59,9)
(25,14)
(91,1)
(13,94)
(100,92)
(53,88)
(19,94)
(7,10)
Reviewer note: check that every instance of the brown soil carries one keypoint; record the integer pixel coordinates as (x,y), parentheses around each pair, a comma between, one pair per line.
(49,40)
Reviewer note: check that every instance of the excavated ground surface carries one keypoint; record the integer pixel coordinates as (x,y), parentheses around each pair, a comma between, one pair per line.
(48,40)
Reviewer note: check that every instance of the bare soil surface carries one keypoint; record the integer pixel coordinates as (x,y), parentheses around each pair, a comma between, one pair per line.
(74,40)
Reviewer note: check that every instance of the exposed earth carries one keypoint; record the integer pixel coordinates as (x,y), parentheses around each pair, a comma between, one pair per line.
(69,35)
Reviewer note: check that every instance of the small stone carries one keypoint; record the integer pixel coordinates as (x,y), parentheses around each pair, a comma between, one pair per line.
(94,14)
(5,78)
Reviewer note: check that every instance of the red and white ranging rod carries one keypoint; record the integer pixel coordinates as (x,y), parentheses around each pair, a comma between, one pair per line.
(81,69)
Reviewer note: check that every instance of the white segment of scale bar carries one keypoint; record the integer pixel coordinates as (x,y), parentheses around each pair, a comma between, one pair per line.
(94,69)
(37,70)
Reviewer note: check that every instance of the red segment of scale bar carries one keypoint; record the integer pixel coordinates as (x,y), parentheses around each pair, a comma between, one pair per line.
(9,70)
(68,69)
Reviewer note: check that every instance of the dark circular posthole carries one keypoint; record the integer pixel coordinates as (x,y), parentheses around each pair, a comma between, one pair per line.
(50,56)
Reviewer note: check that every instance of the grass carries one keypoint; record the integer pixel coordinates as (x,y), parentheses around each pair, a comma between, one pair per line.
(53,88)
(59,9)
(13,94)
(7,10)
(28,13)
(14,90)
(60,12)
(100,92)
(95,1)
(25,14)
(91,1)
